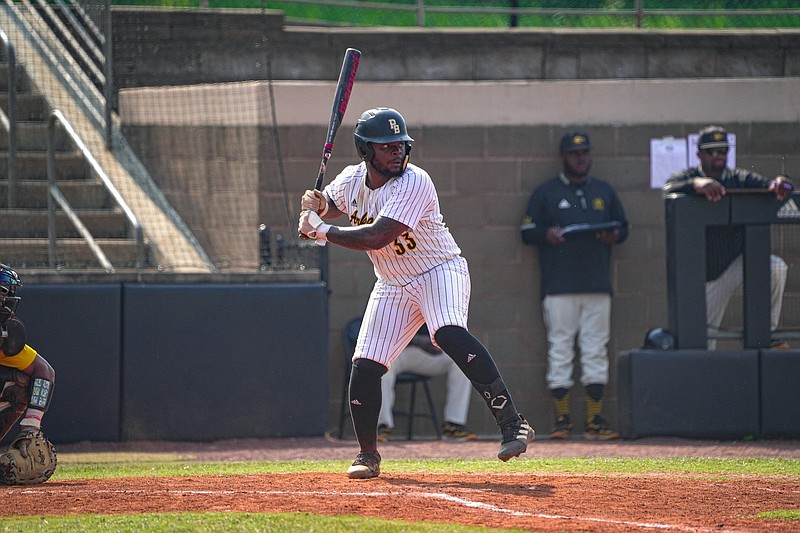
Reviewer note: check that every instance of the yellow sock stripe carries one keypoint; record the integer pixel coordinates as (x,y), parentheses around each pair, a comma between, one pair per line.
(562,406)
(593,407)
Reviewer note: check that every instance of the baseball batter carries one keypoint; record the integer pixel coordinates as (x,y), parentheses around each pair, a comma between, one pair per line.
(394,216)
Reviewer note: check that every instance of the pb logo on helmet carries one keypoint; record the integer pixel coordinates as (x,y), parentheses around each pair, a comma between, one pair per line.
(394,126)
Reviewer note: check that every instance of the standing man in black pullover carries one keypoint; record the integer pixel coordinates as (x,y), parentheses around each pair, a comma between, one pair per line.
(575,264)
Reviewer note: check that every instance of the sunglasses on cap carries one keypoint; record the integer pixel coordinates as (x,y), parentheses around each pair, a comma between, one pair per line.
(716,151)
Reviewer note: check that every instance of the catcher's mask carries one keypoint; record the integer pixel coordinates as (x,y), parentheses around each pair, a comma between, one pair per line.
(381,125)
(659,339)
(9,282)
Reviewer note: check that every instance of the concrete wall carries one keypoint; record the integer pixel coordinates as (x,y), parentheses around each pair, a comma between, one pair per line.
(486,143)
(175,47)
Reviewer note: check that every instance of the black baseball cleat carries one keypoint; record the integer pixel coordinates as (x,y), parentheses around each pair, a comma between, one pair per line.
(517,434)
(367,465)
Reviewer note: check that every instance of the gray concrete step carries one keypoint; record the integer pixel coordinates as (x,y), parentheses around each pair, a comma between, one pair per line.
(23,82)
(32,136)
(70,253)
(30,107)
(32,223)
(33,165)
(81,194)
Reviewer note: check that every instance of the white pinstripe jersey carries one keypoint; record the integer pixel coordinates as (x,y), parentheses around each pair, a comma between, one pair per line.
(410,199)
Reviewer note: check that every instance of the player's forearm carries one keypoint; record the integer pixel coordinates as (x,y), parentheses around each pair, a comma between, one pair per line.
(533,232)
(360,238)
(331,212)
(682,185)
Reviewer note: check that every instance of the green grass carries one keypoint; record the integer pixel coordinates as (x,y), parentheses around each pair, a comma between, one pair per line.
(114,465)
(76,466)
(793,514)
(605,17)
(228,522)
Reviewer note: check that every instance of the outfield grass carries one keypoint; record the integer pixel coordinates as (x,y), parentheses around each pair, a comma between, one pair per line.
(605,17)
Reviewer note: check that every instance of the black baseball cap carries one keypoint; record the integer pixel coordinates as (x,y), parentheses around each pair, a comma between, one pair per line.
(712,137)
(574,140)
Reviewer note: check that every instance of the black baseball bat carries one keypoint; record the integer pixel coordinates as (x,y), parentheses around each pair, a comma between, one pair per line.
(344,89)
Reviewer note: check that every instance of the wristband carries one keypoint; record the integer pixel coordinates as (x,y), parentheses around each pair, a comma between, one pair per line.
(324,209)
(321,236)
(33,418)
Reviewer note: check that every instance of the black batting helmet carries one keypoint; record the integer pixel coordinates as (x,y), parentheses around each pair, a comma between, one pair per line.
(380,125)
(659,339)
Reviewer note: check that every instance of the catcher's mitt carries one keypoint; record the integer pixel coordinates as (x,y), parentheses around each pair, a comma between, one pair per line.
(30,459)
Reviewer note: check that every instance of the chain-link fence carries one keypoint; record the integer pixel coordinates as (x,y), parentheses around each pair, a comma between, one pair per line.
(532,13)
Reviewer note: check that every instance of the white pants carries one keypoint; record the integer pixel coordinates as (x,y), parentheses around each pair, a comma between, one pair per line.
(586,317)
(720,290)
(439,297)
(418,361)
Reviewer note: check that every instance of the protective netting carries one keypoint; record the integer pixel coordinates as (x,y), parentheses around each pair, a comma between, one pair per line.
(194,183)
(223,172)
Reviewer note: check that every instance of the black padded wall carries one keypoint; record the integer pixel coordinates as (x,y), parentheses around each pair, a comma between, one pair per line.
(689,393)
(780,393)
(207,362)
(77,329)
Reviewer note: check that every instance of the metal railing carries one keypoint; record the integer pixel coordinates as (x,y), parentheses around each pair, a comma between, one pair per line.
(638,11)
(80,46)
(55,195)
(9,120)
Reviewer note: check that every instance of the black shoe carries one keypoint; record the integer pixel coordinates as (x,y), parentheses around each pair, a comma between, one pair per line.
(517,434)
(598,429)
(367,465)
(456,432)
(384,433)
(779,344)
(563,428)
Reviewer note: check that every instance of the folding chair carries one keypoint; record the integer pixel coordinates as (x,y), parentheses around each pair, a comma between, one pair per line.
(349,338)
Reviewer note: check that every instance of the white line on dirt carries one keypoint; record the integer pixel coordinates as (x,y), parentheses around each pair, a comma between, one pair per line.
(433,495)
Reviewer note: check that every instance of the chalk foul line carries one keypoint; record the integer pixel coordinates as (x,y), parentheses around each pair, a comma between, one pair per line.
(420,494)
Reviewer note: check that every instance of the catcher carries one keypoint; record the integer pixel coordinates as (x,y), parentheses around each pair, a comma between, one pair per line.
(27,388)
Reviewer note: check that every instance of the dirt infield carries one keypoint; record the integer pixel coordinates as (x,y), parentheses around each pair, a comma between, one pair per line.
(537,502)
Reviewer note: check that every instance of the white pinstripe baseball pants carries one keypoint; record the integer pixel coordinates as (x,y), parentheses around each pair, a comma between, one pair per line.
(439,297)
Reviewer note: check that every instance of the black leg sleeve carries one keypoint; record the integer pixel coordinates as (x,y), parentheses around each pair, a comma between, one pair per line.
(365,401)
(477,364)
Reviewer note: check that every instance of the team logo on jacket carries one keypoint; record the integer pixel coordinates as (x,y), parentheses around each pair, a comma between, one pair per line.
(564,204)
(598,204)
